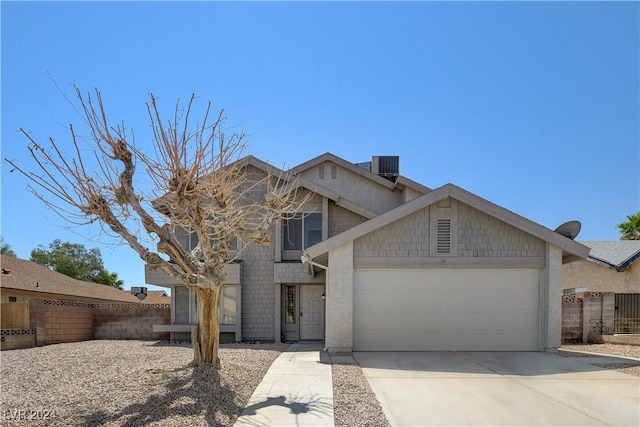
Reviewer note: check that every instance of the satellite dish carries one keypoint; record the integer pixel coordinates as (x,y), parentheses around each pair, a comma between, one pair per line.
(140,292)
(569,229)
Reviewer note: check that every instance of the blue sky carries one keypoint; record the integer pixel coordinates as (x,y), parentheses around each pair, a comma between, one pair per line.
(533,106)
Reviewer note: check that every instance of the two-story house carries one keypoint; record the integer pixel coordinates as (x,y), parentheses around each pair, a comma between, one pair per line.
(377,261)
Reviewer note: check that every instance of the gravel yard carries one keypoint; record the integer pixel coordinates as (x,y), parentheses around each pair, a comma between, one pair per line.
(140,383)
(631,368)
(354,403)
(128,383)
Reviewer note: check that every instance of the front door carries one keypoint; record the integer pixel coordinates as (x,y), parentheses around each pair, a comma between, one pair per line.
(311,312)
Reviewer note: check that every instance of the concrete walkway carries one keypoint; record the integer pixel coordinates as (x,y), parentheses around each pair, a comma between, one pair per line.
(296,391)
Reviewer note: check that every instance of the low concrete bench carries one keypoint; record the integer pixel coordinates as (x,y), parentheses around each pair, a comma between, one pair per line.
(173,328)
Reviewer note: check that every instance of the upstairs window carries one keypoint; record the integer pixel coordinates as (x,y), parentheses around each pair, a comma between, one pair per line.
(189,241)
(302,231)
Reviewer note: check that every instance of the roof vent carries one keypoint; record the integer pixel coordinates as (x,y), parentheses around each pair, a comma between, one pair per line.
(386,166)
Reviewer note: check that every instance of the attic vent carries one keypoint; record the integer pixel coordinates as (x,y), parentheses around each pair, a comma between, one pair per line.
(321,172)
(334,171)
(443,236)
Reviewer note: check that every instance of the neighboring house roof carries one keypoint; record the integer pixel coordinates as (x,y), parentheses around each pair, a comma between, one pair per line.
(615,254)
(157,297)
(318,253)
(23,275)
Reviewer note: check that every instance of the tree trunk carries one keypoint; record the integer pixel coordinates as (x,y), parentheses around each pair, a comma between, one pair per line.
(206,339)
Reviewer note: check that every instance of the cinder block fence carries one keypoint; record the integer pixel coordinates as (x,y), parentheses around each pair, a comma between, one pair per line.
(58,321)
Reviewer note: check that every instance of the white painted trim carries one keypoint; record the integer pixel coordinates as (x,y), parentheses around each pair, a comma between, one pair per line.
(278,311)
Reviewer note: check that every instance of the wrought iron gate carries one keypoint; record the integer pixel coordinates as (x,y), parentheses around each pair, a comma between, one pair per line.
(627,314)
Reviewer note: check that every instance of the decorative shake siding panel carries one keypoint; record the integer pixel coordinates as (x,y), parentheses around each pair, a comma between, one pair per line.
(481,235)
(341,219)
(258,294)
(405,238)
(478,236)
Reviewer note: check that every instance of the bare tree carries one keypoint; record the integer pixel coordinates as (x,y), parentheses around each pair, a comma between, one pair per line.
(190,176)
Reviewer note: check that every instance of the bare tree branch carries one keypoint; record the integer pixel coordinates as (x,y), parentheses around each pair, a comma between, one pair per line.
(193,182)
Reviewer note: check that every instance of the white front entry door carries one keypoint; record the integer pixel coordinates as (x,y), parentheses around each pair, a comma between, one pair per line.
(311,312)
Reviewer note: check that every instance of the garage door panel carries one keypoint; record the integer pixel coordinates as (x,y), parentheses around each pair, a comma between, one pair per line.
(446,310)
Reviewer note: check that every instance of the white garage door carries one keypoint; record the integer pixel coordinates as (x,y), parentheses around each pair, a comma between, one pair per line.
(446,310)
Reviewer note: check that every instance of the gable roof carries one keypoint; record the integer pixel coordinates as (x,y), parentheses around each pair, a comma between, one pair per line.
(615,254)
(29,276)
(330,157)
(568,246)
(309,185)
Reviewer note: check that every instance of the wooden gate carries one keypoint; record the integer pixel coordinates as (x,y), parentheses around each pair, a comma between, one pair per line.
(627,314)
(14,315)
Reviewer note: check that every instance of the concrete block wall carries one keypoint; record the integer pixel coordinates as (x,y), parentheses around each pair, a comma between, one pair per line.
(67,321)
(598,312)
(587,315)
(571,319)
(57,321)
(11,339)
(130,321)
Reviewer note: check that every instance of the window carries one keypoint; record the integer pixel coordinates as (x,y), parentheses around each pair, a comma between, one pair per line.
(321,172)
(228,308)
(185,305)
(302,231)
(13,299)
(290,304)
(334,172)
(190,240)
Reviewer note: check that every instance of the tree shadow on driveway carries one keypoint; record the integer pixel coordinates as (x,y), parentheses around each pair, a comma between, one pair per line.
(309,406)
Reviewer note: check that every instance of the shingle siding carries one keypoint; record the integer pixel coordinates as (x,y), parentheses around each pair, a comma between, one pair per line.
(258,305)
(478,235)
(481,235)
(341,219)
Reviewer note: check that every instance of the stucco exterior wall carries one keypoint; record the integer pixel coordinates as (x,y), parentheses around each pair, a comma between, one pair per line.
(551,277)
(356,188)
(339,303)
(598,278)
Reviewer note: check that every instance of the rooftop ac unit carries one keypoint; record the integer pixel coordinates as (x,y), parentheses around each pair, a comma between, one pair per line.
(386,166)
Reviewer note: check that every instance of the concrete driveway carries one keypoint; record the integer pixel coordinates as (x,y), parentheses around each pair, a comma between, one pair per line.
(500,389)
